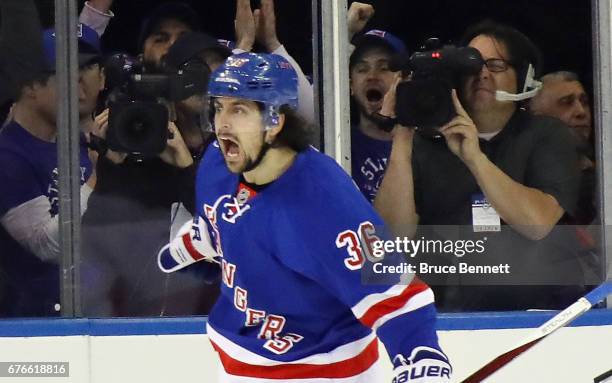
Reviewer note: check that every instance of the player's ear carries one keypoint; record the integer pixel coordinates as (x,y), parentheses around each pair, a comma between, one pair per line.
(274,130)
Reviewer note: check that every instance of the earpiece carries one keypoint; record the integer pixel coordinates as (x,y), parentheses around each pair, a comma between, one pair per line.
(531,87)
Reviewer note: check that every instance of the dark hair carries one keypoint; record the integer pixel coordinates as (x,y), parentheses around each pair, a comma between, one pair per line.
(180,11)
(41,78)
(564,75)
(365,48)
(296,133)
(521,49)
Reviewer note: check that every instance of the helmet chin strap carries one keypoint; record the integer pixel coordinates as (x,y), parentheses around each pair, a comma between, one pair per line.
(270,120)
(531,88)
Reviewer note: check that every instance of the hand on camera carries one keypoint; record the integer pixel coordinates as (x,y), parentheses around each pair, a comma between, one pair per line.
(461,134)
(388,110)
(176,152)
(97,139)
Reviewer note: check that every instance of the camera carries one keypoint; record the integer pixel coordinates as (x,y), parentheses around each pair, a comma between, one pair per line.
(139,102)
(425,101)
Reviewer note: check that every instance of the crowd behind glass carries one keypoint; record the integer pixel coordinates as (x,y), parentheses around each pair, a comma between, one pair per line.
(518,176)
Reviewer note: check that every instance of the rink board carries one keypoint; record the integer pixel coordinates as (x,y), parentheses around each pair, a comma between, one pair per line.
(164,350)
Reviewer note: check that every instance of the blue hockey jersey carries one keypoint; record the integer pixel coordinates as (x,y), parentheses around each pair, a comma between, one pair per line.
(292,303)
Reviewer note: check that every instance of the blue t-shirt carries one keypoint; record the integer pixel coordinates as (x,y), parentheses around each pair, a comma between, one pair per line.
(368,162)
(28,170)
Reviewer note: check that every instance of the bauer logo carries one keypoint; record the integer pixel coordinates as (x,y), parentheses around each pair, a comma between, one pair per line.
(425,364)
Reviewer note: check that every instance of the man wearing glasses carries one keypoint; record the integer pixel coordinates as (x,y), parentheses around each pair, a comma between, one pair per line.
(498,175)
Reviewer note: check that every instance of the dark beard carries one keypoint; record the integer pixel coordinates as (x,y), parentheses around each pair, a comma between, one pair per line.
(363,113)
(250,165)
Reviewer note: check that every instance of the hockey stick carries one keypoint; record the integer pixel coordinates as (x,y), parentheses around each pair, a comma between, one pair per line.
(564,317)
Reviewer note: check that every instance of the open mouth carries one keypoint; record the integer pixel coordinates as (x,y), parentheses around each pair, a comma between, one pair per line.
(374,95)
(230,147)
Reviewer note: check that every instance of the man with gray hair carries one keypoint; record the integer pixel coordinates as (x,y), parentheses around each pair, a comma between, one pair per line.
(563,96)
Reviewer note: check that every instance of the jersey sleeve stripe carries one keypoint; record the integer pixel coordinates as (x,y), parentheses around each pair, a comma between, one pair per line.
(396,303)
(419,300)
(366,303)
(342,369)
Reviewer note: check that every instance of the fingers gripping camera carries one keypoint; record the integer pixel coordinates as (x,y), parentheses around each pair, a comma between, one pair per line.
(191,244)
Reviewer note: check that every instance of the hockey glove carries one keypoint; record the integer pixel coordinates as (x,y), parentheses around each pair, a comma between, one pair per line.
(425,365)
(191,244)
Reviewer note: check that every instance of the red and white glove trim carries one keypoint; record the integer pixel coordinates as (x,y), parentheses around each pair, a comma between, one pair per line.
(191,244)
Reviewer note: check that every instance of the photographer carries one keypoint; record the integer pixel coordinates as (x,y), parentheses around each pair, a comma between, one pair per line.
(138,196)
(156,192)
(494,154)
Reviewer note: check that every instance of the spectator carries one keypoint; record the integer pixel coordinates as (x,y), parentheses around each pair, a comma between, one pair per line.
(370,79)
(260,26)
(29,194)
(492,154)
(96,14)
(21,30)
(563,96)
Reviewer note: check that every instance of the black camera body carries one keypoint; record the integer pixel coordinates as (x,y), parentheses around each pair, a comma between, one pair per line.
(425,101)
(139,102)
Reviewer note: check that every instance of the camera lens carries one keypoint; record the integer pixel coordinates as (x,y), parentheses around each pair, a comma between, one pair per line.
(135,129)
(424,103)
(138,127)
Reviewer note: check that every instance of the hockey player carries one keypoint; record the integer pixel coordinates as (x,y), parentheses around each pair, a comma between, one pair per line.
(290,232)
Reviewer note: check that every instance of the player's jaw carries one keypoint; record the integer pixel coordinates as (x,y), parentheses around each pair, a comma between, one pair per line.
(233,153)
(240,158)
